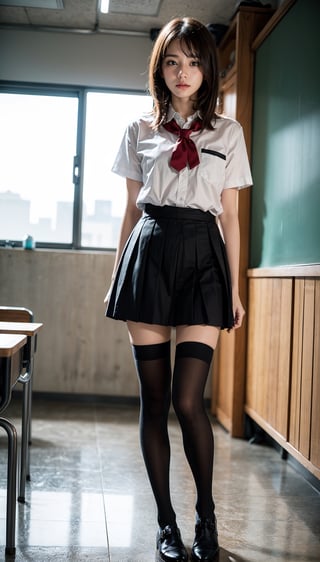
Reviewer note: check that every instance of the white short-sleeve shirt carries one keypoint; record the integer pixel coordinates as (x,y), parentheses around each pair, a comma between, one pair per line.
(144,155)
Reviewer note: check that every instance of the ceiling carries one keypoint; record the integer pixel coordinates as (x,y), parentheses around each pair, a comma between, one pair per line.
(85,16)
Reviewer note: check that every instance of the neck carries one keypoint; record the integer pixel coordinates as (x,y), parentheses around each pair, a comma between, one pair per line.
(183,107)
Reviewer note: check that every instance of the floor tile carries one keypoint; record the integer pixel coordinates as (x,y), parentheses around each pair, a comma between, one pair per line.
(89,496)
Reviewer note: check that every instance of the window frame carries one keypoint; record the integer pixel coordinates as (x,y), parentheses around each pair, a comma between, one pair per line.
(79,92)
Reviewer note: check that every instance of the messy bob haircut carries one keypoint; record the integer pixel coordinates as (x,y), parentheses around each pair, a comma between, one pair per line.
(196,41)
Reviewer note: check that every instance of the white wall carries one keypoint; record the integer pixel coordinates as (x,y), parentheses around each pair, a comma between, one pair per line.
(96,60)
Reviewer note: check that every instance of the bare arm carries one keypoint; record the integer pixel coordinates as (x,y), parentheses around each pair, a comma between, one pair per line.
(230,227)
(130,219)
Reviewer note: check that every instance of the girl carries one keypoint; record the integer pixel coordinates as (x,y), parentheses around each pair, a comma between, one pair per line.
(183,166)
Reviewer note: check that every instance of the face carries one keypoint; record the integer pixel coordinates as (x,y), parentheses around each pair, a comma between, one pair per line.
(181,72)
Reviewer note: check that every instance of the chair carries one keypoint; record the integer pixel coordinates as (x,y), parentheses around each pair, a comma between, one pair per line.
(21,314)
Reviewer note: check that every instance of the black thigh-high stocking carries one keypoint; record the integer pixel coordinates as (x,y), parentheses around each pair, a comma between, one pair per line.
(191,370)
(154,372)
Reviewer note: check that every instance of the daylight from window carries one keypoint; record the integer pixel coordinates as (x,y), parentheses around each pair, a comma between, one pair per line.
(38,140)
(104,192)
(37,144)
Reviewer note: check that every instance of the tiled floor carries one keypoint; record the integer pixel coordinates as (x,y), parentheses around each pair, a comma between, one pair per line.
(89,498)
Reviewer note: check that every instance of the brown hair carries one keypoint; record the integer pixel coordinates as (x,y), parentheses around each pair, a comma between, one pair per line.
(198,41)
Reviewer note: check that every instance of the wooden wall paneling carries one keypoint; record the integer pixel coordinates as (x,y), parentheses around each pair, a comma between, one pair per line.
(303,386)
(246,32)
(315,417)
(288,271)
(264,358)
(226,379)
(307,368)
(255,345)
(297,343)
(268,365)
(236,89)
(254,313)
(276,368)
(214,382)
(272,344)
(258,353)
(248,24)
(283,367)
(284,335)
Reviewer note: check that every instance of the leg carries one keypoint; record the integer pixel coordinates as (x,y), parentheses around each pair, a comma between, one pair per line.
(195,345)
(194,352)
(151,350)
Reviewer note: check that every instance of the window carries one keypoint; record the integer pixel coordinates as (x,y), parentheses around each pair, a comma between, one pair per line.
(37,143)
(107,115)
(57,148)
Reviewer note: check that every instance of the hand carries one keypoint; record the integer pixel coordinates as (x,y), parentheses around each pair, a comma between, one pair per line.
(238,312)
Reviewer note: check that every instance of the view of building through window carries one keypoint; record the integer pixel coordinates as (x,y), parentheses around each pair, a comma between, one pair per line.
(104,193)
(38,143)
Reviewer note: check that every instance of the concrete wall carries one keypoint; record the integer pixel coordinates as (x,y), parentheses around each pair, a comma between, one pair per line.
(79,349)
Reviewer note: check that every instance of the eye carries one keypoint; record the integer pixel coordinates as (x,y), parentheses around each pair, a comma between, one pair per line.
(170,62)
(195,62)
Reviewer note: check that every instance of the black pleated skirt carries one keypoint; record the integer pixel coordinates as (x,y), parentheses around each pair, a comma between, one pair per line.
(173,271)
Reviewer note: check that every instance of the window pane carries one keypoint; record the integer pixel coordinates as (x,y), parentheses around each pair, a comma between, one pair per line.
(104,193)
(37,146)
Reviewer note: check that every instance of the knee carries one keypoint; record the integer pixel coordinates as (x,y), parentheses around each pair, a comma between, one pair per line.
(155,407)
(185,407)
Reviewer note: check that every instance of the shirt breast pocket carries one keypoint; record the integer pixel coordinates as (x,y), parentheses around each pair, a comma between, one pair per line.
(212,165)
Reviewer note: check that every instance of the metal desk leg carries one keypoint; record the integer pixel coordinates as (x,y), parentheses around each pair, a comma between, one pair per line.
(29,427)
(11,485)
(24,467)
(26,380)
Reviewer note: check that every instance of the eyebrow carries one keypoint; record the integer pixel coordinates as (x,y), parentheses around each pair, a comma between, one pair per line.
(191,56)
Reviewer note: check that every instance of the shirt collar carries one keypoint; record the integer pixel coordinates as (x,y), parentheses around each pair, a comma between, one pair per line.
(183,123)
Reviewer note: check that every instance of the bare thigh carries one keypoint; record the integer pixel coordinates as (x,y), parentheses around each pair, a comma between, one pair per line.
(149,334)
(199,333)
(141,333)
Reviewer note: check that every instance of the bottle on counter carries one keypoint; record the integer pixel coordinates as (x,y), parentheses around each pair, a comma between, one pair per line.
(28,242)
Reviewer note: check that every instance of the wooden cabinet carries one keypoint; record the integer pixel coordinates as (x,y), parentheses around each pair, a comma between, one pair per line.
(283,363)
(283,315)
(269,352)
(304,420)
(235,100)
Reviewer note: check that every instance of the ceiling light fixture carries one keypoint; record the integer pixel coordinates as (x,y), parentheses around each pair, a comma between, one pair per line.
(134,7)
(43,4)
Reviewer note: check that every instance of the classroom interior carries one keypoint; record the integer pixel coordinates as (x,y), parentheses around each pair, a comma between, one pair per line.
(88,496)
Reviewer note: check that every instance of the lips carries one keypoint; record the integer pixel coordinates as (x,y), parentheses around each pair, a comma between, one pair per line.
(183,86)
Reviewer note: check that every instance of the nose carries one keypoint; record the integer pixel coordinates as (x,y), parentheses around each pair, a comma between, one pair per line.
(182,71)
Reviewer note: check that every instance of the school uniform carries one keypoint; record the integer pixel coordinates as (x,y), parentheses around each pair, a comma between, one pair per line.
(173,269)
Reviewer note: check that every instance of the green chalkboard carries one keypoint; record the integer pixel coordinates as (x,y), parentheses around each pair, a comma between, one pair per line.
(285,214)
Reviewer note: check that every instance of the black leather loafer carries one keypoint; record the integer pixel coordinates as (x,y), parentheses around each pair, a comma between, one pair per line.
(205,546)
(170,547)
